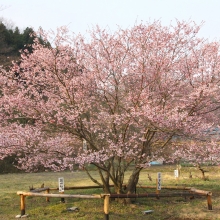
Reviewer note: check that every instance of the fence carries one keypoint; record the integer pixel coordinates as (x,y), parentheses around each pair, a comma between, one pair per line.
(106,197)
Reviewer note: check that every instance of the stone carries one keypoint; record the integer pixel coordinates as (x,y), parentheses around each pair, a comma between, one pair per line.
(73,209)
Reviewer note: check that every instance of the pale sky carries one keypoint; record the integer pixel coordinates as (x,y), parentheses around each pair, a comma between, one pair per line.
(82,15)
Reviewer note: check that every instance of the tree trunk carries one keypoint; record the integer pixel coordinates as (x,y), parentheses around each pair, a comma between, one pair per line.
(203,172)
(104,179)
(106,187)
(132,183)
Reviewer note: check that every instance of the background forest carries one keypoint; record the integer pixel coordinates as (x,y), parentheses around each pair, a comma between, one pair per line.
(12,41)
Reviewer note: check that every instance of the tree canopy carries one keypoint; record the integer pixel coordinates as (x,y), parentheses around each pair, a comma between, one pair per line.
(131,96)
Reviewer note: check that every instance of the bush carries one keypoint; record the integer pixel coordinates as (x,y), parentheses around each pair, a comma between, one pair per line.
(7,165)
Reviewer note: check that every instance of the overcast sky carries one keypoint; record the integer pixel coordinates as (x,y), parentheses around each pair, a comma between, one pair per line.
(81,15)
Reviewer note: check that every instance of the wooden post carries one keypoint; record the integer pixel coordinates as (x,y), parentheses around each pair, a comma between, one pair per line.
(157,191)
(22,204)
(176,174)
(62,199)
(47,198)
(106,207)
(178,167)
(209,201)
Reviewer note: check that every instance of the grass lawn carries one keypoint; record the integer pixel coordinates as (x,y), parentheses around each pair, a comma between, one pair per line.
(177,208)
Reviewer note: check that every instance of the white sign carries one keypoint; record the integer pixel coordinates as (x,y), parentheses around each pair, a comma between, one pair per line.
(61,184)
(159,180)
(176,173)
(84,145)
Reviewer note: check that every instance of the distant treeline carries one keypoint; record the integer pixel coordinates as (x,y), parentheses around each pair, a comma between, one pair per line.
(14,40)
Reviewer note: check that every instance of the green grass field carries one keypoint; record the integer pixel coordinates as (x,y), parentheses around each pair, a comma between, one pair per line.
(164,208)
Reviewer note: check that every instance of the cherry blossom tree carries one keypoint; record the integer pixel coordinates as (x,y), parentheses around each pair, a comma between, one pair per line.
(132,96)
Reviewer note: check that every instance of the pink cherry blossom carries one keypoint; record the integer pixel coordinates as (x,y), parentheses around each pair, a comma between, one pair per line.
(135,95)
